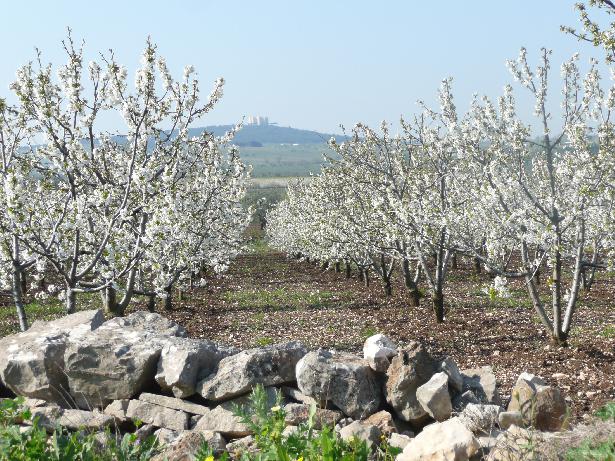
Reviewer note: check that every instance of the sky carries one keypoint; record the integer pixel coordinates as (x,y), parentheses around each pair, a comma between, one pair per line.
(311,64)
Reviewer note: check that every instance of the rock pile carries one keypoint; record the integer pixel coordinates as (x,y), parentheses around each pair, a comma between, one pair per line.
(83,372)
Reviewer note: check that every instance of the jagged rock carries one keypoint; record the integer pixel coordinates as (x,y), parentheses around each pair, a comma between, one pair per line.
(184,361)
(358,430)
(245,401)
(145,431)
(117,409)
(542,406)
(481,381)
(239,373)
(383,421)
(344,379)
(463,400)
(410,368)
(223,421)
(118,360)
(455,379)
(174,404)
(399,440)
(378,350)
(194,419)
(149,322)
(515,444)
(47,417)
(166,436)
(480,418)
(434,397)
(188,443)
(508,418)
(446,441)
(157,415)
(298,413)
(32,362)
(81,419)
(242,445)
(296,395)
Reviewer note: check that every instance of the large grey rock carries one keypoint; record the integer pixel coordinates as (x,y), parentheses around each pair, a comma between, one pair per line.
(378,350)
(187,444)
(410,368)
(32,362)
(361,431)
(341,378)
(510,418)
(117,409)
(184,361)
(157,416)
(223,421)
(446,441)
(434,397)
(147,321)
(174,404)
(480,419)
(399,440)
(295,394)
(239,373)
(481,381)
(118,360)
(298,413)
(455,379)
(81,419)
(541,406)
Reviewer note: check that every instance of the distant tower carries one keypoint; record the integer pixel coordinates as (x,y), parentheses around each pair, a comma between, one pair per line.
(257,120)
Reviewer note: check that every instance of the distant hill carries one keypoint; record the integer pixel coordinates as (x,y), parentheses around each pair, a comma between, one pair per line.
(269,134)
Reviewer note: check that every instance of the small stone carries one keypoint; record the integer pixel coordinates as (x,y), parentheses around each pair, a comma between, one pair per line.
(157,415)
(383,421)
(365,432)
(174,403)
(223,421)
(298,413)
(399,440)
(480,418)
(508,418)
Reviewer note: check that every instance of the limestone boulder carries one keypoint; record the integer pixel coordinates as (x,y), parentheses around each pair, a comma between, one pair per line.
(185,446)
(239,373)
(117,360)
(410,368)
(341,378)
(541,406)
(480,418)
(399,440)
(433,396)
(157,416)
(174,403)
(223,421)
(298,413)
(361,431)
(183,362)
(455,379)
(32,362)
(482,382)
(446,441)
(383,420)
(378,350)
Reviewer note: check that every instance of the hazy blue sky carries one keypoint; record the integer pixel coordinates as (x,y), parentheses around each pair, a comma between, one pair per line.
(309,64)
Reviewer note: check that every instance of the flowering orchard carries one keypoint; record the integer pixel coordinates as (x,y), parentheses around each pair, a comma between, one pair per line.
(480,184)
(122,215)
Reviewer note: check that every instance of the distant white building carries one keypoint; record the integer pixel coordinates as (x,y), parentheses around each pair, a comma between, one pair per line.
(257,120)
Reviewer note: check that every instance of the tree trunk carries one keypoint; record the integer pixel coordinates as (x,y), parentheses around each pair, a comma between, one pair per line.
(168,298)
(477,268)
(366,277)
(361,274)
(151,303)
(454,261)
(110,304)
(71,300)
(413,290)
(347,270)
(338,267)
(17,286)
(438,305)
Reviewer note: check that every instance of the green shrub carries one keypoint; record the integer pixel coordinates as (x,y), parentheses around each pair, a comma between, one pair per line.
(607,412)
(592,452)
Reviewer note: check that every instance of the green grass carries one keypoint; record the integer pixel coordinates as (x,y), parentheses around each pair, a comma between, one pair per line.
(608,332)
(595,452)
(283,297)
(607,412)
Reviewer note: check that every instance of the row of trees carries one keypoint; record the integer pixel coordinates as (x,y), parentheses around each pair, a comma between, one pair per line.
(123,215)
(479,184)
